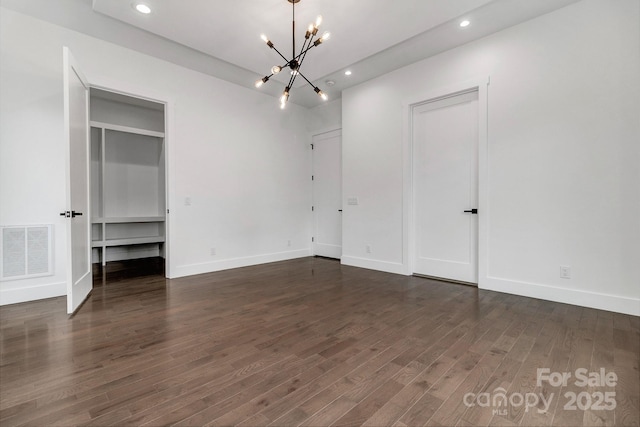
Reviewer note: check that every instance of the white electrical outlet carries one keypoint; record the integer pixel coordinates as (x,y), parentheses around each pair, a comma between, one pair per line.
(565,272)
(213,251)
(352,201)
(288,242)
(187,201)
(368,249)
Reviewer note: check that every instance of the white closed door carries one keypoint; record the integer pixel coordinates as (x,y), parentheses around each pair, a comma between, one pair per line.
(445,181)
(327,194)
(76,117)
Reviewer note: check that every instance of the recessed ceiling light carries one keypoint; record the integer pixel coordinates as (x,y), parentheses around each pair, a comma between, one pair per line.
(465,23)
(347,73)
(143,8)
(329,82)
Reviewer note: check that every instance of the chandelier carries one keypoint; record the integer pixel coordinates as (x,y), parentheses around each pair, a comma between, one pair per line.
(295,63)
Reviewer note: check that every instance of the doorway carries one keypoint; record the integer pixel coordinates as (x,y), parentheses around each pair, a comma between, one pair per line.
(116,178)
(327,194)
(445,143)
(128,177)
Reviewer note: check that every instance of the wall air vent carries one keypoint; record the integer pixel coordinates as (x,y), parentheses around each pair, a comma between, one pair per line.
(26,251)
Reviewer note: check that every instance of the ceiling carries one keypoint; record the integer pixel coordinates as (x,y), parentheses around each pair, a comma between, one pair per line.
(222,38)
(231,30)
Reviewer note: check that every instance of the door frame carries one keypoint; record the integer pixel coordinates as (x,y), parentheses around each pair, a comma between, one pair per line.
(314,222)
(408,197)
(133,91)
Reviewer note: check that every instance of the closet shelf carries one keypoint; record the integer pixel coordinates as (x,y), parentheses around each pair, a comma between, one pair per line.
(128,129)
(127,241)
(125,219)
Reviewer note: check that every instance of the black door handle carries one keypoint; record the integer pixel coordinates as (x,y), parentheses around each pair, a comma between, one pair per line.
(75,214)
(65,214)
(472,211)
(339,210)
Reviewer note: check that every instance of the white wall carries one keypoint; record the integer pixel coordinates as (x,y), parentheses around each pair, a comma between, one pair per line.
(242,161)
(325,117)
(563,154)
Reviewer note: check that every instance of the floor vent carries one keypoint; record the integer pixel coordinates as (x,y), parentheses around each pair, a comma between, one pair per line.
(26,251)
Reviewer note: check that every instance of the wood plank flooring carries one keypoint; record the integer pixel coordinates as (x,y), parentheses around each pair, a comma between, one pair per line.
(308,342)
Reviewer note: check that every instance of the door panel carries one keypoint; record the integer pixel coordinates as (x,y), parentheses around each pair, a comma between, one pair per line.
(445,151)
(327,194)
(76,115)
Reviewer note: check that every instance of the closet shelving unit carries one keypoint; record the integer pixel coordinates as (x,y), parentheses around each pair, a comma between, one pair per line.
(128,182)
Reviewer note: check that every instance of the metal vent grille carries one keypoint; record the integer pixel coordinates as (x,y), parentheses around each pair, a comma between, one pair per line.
(26,251)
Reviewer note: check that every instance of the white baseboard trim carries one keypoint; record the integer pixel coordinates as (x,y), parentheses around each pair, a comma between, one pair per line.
(330,251)
(226,264)
(607,302)
(372,264)
(32,293)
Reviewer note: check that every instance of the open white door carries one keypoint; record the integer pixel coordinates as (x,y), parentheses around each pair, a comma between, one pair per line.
(327,194)
(445,167)
(76,128)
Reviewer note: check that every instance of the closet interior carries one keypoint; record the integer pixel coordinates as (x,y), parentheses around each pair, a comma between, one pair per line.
(128,177)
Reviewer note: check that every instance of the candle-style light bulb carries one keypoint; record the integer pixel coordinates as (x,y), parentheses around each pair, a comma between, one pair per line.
(285,96)
(321,93)
(261,81)
(324,38)
(266,40)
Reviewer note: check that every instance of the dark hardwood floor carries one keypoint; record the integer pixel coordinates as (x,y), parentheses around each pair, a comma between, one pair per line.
(310,342)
